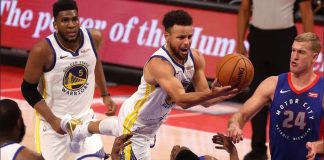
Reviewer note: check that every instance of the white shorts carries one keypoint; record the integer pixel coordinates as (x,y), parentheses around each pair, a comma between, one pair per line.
(139,149)
(143,136)
(54,146)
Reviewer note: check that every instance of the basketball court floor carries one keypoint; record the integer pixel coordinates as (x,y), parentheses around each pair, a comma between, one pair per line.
(193,128)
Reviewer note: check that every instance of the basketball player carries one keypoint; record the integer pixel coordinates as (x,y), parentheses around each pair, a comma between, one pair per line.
(12,131)
(184,153)
(275,20)
(167,74)
(296,99)
(65,66)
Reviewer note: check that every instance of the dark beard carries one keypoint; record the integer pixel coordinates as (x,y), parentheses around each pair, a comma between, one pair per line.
(176,53)
(22,131)
(68,40)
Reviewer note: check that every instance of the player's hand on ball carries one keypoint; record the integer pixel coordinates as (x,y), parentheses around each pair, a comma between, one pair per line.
(110,104)
(225,91)
(215,84)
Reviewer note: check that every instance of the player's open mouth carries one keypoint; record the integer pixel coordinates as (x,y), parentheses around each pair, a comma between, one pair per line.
(184,50)
(72,34)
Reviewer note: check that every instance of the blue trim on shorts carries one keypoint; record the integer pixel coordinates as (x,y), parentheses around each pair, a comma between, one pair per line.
(153,145)
(89,155)
(100,154)
(202,158)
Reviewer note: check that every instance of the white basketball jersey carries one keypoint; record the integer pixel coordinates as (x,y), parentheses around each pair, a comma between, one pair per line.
(10,151)
(68,86)
(148,107)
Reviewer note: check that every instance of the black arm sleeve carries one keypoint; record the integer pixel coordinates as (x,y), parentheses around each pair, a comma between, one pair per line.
(30,93)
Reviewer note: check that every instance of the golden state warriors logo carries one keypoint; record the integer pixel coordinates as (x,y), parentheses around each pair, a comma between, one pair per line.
(75,79)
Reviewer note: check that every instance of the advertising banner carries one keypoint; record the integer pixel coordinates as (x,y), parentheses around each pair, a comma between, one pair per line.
(132,30)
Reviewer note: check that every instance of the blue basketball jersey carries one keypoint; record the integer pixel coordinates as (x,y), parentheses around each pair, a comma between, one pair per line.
(295,117)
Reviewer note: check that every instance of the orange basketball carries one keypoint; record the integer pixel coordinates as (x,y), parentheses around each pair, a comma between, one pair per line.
(235,70)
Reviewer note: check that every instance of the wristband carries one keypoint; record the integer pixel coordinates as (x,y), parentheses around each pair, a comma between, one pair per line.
(105,94)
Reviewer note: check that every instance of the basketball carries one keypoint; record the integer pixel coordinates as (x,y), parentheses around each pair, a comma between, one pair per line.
(235,70)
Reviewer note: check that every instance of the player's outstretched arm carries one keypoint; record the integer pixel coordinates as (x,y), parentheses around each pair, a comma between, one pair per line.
(159,71)
(200,81)
(213,101)
(262,96)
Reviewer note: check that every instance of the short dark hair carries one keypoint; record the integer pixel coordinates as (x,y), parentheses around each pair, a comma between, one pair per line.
(178,17)
(63,5)
(186,155)
(9,115)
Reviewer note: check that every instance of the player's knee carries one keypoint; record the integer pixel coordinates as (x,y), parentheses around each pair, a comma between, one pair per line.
(109,126)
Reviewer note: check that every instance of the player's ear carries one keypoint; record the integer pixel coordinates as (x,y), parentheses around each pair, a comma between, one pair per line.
(54,24)
(166,35)
(315,57)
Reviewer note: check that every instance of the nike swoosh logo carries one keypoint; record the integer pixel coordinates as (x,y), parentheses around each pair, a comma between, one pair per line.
(284,91)
(61,57)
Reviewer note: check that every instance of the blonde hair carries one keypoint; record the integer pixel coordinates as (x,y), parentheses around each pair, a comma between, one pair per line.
(312,38)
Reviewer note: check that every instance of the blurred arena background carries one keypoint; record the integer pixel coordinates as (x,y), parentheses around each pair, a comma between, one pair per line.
(132,32)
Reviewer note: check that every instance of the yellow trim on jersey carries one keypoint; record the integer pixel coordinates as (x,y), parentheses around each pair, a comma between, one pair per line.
(132,117)
(37,119)
(44,95)
(37,133)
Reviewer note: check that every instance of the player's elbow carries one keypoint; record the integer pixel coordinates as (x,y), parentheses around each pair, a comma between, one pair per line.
(206,104)
(183,105)
(30,93)
(182,102)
